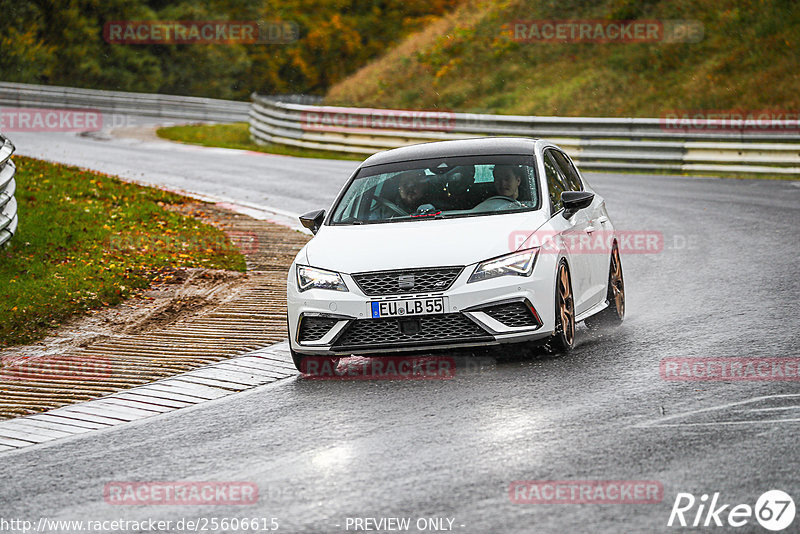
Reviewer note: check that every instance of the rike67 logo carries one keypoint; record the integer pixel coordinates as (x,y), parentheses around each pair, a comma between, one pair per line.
(774,511)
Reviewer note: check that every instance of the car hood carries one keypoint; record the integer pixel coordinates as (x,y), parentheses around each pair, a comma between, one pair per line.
(425,243)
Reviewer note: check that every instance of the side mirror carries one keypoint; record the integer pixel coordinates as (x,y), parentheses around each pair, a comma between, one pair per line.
(313,220)
(575,201)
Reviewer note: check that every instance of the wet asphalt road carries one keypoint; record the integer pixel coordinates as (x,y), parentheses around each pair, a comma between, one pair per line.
(725,285)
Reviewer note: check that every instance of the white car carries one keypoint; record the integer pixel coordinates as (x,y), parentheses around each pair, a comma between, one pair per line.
(455,244)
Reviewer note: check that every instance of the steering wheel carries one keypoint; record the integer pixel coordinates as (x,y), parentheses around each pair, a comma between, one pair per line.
(503,197)
(392,206)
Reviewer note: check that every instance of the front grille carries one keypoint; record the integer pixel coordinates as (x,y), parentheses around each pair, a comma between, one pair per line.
(424,281)
(314,328)
(512,314)
(433,329)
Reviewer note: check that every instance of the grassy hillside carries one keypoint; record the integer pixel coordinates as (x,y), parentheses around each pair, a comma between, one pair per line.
(747,60)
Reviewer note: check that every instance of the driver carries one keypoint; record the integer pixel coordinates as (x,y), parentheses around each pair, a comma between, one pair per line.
(506,180)
(413,189)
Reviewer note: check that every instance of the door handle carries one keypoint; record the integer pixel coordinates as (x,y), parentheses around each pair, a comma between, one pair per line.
(602,219)
(590,229)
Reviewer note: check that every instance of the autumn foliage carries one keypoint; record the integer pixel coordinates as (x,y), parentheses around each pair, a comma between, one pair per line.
(62,43)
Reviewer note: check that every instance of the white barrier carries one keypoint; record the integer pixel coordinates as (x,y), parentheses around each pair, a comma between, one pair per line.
(596,143)
(8,204)
(22,95)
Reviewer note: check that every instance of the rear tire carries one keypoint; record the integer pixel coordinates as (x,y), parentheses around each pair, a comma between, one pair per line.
(563,339)
(614,313)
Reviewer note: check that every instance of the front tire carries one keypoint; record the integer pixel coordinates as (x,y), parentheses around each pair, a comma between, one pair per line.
(563,338)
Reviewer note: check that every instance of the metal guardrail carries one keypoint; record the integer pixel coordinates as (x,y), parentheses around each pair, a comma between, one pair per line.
(24,95)
(8,204)
(21,96)
(640,144)
(596,143)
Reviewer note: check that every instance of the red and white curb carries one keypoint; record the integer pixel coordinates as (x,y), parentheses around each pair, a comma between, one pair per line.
(207,383)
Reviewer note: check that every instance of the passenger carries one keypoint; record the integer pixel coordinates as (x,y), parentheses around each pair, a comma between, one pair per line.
(507,179)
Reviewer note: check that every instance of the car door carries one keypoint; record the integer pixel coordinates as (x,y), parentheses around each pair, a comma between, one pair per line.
(573,231)
(595,250)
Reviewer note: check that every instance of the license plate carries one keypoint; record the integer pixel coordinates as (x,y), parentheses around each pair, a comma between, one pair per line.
(401,308)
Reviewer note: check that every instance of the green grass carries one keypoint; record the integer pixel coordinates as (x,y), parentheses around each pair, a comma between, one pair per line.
(87,240)
(237,135)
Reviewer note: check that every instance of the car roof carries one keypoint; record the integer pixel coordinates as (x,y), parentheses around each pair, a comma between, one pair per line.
(460,147)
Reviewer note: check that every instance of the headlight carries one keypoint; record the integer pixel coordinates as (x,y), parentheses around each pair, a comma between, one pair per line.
(312,278)
(516,264)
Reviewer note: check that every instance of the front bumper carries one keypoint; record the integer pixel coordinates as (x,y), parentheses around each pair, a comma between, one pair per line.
(485,313)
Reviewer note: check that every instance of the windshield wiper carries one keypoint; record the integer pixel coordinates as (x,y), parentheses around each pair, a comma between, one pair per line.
(435,215)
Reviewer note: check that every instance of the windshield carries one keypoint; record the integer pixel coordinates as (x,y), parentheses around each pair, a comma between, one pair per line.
(441,188)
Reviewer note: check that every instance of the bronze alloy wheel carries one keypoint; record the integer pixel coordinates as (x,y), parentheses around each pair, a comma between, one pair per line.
(617,284)
(614,313)
(564,336)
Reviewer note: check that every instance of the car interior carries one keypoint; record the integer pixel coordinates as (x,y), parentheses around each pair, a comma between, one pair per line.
(462,189)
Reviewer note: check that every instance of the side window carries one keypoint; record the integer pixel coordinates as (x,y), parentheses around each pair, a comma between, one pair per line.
(355,203)
(372,197)
(568,170)
(556,183)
